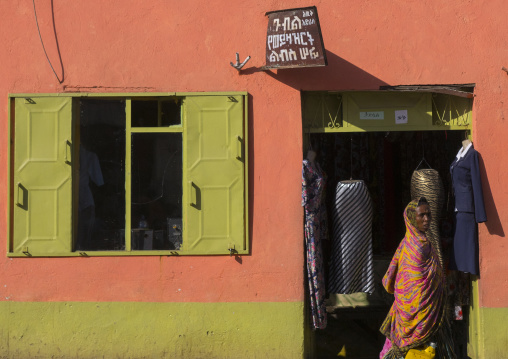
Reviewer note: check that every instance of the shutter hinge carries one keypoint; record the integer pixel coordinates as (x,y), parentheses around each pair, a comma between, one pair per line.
(26,252)
(231,249)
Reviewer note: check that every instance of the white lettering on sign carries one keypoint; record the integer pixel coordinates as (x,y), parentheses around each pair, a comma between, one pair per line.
(300,38)
(304,52)
(294,39)
(372,115)
(288,24)
(283,55)
(311,40)
(401,116)
(296,24)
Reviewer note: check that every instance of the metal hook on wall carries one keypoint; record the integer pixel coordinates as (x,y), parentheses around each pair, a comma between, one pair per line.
(239,65)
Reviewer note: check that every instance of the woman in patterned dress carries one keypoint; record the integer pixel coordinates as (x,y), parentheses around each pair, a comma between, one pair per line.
(416,278)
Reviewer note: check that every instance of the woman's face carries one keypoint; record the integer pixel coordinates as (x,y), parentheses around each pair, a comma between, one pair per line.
(423,217)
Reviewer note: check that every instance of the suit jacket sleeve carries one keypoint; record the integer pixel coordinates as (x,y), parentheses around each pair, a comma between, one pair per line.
(480,214)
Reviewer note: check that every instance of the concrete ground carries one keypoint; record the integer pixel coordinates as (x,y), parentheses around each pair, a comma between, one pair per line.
(352,333)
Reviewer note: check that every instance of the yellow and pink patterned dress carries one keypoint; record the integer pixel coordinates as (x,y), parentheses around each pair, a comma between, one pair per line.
(417,280)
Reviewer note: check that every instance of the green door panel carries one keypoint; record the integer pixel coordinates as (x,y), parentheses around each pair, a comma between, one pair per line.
(215,215)
(42,176)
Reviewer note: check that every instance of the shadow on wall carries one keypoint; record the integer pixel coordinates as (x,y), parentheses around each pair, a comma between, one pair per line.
(251,181)
(338,75)
(493,223)
(54,45)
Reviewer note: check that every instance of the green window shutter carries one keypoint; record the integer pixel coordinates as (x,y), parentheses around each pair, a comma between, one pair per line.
(42,176)
(215,174)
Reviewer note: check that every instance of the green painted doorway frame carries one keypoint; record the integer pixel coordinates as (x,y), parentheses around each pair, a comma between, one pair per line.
(444,109)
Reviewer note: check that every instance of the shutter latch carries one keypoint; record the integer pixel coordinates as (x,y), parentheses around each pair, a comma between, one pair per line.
(231,249)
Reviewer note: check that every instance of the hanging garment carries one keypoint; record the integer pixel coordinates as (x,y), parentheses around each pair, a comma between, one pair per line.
(351,263)
(427,183)
(313,185)
(469,210)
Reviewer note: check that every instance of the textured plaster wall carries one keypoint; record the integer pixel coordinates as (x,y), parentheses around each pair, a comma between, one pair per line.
(155,46)
(150,330)
(118,46)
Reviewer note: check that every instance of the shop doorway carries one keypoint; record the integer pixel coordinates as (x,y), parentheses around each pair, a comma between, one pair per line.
(385,161)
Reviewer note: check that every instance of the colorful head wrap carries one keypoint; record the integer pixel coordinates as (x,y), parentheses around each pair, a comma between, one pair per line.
(410,212)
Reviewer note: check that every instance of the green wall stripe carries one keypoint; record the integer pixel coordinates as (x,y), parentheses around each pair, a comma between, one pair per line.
(494,334)
(151,330)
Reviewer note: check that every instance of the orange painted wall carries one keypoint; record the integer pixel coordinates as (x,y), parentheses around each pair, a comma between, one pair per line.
(128,46)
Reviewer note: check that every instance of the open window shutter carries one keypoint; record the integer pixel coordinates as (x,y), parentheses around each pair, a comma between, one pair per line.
(42,176)
(215,170)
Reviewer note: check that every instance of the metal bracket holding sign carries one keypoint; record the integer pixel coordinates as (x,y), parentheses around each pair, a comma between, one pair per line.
(294,39)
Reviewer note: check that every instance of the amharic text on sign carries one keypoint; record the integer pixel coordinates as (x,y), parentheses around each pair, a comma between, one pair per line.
(294,39)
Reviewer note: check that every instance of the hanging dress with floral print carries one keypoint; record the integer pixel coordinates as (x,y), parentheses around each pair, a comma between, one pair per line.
(313,185)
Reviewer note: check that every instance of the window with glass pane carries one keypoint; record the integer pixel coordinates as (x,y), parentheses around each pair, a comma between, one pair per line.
(92,175)
(156,191)
(155,113)
(101,195)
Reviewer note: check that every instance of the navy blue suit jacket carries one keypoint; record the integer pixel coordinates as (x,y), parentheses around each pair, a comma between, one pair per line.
(467,185)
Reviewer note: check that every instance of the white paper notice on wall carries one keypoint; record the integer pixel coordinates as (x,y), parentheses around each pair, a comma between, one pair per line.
(372,115)
(400,117)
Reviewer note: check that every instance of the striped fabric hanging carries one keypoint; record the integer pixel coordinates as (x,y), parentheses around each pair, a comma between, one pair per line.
(351,263)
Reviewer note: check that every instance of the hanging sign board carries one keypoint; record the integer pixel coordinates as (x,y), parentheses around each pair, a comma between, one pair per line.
(294,39)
